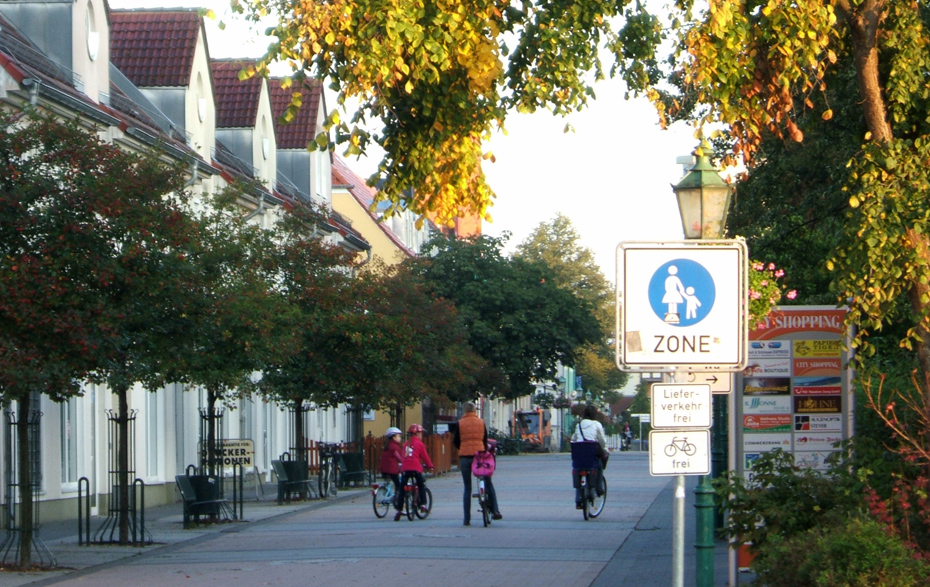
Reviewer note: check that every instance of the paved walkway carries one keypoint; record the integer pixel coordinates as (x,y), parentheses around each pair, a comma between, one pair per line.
(541,541)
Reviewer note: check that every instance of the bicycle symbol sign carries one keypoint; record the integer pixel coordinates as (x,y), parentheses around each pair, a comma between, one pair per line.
(679,452)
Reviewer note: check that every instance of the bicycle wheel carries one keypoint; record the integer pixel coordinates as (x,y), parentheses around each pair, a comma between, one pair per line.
(598,501)
(427,504)
(380,501)
(410,503)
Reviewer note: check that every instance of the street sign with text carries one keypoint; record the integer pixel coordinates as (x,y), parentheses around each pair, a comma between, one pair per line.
(681,306)
(679,452)
(719,382)
(681,406)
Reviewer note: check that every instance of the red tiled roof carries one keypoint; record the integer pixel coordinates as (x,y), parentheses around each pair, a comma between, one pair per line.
(154,48)
(236,100)
(296,133)
(364,195)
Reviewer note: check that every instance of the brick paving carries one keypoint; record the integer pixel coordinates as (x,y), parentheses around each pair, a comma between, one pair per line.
(541,541)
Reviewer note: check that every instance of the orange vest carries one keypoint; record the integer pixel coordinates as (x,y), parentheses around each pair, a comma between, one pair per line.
(471,434)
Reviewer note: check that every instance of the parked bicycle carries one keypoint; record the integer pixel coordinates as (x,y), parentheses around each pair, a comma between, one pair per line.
(411,499)
(382,497)
(328,472)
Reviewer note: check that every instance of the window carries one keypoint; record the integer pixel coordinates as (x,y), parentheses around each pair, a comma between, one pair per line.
(93,37)
(69,441)
(201,100)
(153,448)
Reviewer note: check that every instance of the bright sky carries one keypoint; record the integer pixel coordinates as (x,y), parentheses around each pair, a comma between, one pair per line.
(611,177)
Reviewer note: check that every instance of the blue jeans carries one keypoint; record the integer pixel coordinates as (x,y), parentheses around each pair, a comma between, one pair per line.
(465,468)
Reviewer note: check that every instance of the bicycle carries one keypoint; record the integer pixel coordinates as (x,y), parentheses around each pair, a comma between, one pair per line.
(327,473)
(411,495)
(484,501)
(681,444)
(382,497)
(592,504)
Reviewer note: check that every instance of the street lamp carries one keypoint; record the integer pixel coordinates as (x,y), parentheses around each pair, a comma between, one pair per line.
(703,201)
(703,198)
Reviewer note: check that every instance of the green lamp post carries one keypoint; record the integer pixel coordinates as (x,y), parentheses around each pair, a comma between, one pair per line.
(704,200)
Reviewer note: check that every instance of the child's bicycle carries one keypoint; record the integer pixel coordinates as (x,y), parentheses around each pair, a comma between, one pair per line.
(484,501)
(382,497)
(411,495)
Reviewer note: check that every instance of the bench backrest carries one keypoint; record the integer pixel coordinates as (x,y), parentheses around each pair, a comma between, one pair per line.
(185,487)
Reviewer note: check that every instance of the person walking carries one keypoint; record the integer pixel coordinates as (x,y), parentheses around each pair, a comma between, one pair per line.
(471,436)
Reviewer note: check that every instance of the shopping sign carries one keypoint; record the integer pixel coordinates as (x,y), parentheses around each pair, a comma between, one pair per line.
(682,306)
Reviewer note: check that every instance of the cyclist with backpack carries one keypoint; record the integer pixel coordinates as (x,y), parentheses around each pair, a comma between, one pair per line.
(414,457)
(590,430)
(471,436)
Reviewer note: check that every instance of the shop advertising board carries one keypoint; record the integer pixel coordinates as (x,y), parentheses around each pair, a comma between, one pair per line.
(680,306)
(794,392)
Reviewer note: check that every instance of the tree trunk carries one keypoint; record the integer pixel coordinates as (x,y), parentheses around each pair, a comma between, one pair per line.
(211,433)
(122,463)
(300,441)
(25,482)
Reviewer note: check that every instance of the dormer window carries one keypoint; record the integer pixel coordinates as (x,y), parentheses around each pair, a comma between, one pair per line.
(93,37)
(266,142)
(201,100)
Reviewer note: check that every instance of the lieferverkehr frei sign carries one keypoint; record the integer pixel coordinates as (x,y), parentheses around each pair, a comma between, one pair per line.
(681,305)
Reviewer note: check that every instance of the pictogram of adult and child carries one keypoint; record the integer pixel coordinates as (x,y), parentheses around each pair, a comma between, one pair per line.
(681,292)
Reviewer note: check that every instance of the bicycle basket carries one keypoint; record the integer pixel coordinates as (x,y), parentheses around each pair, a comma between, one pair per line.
(483,465)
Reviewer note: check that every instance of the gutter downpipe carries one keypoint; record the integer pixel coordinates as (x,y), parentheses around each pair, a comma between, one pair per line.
(194,174)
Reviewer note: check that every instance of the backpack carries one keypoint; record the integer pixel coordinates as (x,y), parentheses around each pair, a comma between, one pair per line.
(483,465)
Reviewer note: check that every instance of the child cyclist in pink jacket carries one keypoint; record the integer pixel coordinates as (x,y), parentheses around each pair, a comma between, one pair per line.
(415,457)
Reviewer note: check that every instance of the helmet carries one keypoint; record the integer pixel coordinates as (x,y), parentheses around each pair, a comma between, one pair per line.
(415,428)
(392,431)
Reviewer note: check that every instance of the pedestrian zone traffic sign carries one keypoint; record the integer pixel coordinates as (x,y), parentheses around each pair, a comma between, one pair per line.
(682,306)
(679,452)
(681,406)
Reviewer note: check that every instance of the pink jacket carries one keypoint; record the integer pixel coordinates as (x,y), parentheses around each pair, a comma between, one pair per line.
(415,456)
(390,458)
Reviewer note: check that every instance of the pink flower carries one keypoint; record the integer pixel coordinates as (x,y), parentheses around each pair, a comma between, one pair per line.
(765,283)
(771,266)
(792,294)
(758,266)
(755,295)
(780,273)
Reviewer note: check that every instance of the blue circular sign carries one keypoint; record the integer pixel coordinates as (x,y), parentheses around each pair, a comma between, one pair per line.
(682,292)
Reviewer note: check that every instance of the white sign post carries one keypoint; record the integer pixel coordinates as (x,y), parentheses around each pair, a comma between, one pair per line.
(681,306)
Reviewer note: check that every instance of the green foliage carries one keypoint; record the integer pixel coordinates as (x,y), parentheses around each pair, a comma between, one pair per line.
(765,291)
(782,499)
(857,552)
(518,319)
(557,244)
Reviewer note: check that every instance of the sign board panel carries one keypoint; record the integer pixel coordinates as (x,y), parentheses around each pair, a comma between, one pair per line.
(680,306)
(679,452)
(794,392)
(719,382)
(237,451)
(681,405)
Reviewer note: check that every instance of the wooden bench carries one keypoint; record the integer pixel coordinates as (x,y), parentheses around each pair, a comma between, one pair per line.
(293,478)
(200,497)
(352,469)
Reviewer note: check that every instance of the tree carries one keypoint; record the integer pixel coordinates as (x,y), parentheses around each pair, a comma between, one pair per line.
(518,319)
(233,312)
(755,67)
(557,244)
(315,280)
(92,258)
(441,76)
